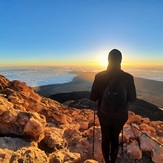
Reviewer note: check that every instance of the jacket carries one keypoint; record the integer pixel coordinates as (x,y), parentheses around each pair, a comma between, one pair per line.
(101,80)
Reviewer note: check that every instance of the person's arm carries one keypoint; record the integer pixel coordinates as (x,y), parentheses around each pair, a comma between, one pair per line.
(131,90)
(94,96)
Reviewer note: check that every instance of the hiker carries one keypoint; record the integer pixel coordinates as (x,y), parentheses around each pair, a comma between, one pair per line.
(113,89)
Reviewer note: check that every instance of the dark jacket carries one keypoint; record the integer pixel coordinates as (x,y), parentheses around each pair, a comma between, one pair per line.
(101,80)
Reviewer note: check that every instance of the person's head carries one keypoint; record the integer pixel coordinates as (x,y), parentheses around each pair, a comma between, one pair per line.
(114,58)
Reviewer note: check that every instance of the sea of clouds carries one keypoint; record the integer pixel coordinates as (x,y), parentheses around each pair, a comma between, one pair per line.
(37,76)
(153,73)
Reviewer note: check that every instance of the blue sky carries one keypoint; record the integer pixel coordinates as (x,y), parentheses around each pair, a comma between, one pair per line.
(52,32)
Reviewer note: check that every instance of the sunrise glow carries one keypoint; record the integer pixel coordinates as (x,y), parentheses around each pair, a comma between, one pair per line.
(55,33)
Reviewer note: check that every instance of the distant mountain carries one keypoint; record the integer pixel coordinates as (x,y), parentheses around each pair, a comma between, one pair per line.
(148,90)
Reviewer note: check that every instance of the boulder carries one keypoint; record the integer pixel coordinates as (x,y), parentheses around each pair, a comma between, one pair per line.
(53,138)
(64,156)
(133,151)
(13,143)
(145,143)
(4,82)
(128,133)
(30,154)
(20,123)
(34,128)
(157,152)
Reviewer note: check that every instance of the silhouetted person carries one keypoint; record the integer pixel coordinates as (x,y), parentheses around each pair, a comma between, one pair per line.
(112,124)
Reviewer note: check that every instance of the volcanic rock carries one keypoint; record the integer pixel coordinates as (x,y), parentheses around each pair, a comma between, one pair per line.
(38,129)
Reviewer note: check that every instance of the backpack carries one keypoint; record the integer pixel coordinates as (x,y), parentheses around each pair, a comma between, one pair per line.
(114,99)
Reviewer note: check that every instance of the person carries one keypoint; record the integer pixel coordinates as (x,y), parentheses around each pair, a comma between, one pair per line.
(111,126)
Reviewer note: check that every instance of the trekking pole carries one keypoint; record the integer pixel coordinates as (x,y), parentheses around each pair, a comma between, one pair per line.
(93,134)
(122,140)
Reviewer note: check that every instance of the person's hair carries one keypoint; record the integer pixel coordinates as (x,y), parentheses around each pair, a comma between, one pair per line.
(115,56)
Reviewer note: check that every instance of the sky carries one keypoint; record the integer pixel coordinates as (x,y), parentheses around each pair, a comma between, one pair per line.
(80,32)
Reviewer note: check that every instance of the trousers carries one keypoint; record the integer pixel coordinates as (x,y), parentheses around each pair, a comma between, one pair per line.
(110,139)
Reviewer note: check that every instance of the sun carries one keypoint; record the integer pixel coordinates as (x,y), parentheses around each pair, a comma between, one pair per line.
(102,60)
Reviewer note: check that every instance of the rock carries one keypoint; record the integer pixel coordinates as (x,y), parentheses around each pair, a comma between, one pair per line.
(158,126)
(160,140)
(33,128)
(147,129)
(30,154)
(132,118)
(72,135)
(20,123)
(57,117)
(9,117)
(5,155)
(136,130)
(146,120)
(90,161)
(128,133)
(145,143)
(24,89)
(134,151)
(3,82)
(64,156)
(5,105)
(97,144)
(83,126)
(23,118)
(13,143)
(157,152)
(53,138)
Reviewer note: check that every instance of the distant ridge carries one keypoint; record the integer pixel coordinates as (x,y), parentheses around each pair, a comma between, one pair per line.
(81,100)
(148,90)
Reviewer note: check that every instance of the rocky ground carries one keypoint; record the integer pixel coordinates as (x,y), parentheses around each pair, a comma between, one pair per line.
(35,129)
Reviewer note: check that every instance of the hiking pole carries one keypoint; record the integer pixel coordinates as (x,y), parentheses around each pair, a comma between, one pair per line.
(122,140)
(93,133)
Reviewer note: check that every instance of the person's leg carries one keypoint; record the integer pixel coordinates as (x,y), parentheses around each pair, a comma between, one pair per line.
(106,139)
(115,131)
